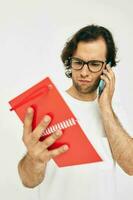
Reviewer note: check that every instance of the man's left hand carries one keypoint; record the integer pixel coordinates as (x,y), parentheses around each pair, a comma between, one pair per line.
(105,99)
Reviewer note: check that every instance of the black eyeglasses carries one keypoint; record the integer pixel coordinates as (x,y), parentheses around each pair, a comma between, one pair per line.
(93,65)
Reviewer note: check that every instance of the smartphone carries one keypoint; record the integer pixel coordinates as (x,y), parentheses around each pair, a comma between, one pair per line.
(102,84)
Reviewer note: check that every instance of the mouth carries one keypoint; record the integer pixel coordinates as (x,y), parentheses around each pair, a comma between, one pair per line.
(84,81)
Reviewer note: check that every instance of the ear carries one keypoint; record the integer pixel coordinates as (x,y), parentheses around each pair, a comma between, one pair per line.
(68,73)
(67,63)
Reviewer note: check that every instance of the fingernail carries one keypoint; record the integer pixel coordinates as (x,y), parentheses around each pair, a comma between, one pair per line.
(59,132)
(65,147)
(30,110)
(47,118)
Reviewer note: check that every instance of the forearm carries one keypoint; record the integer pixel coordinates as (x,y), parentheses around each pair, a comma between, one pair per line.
(120,142)
(31,172)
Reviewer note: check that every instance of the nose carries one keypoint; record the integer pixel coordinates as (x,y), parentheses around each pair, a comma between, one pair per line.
(85,71)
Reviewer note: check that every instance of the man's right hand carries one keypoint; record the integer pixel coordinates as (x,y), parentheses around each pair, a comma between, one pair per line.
(37,150)
(32,166)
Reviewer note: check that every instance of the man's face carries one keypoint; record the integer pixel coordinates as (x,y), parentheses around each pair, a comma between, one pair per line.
(84,80)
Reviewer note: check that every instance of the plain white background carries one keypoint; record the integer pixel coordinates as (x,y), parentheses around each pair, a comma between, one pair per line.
(32,35)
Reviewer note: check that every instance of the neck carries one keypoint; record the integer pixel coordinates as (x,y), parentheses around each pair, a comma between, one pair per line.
(72,91)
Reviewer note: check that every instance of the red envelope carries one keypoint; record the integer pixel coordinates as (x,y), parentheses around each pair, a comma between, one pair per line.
(46,99)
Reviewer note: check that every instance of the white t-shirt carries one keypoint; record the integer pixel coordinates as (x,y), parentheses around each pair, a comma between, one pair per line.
(87,181)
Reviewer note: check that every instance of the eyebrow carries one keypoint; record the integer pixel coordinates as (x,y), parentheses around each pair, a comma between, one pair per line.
(88,60)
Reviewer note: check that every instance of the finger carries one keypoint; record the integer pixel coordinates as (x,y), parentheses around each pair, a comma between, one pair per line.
(112,75)
(109,69)
(109,76)
(28,121)
(51,139)
(40,128)
(58,151)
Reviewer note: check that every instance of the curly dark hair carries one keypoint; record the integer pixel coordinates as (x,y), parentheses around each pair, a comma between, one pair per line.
(89,33)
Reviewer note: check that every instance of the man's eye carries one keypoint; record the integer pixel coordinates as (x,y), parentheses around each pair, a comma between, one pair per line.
(95,64)
(78,63)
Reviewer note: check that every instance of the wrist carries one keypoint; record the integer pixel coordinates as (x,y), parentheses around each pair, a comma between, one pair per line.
(35,163)
(106,107)
(106,110)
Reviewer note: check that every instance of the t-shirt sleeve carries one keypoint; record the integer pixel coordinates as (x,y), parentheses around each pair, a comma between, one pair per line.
(123,117)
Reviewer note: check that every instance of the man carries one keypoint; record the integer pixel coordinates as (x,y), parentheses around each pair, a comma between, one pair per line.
(85,56)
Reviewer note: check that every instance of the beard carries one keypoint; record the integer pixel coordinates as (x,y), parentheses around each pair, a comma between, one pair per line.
(84,89)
